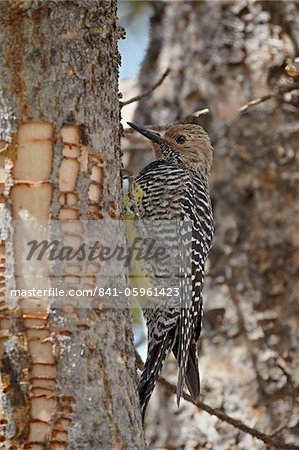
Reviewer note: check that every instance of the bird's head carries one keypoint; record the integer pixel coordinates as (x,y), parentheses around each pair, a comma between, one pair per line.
(190,141)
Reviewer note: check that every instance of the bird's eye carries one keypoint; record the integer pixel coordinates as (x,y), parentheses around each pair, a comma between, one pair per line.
(181,139)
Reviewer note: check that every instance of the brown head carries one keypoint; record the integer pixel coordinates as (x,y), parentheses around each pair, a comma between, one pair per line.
(190,141)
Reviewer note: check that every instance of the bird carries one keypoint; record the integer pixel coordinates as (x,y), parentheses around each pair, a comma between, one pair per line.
(174,187)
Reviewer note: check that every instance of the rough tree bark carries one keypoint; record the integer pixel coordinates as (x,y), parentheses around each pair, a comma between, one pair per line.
(67,374)
(223,54)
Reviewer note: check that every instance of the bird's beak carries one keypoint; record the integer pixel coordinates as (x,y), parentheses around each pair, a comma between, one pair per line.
(149,134)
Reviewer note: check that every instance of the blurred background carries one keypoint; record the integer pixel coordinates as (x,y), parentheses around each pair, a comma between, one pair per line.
(223,55)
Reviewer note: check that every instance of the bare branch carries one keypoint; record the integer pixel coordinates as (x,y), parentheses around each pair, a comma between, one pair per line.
(256,101)
(199,113)
(267,439)
(148,92)
(263,99)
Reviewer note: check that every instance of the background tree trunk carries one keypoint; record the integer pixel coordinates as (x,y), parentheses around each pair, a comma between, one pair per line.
(222,55)
(68,374)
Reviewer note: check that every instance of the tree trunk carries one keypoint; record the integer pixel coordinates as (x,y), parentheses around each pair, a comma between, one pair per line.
(222,55)
(68,373)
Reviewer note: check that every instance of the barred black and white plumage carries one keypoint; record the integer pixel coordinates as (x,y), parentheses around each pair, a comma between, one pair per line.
(175,186)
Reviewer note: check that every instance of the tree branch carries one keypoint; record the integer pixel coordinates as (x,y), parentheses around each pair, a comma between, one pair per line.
(263,99)
(148,92)
(267,439)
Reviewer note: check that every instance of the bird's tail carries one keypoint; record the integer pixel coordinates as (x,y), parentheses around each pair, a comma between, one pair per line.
(152,368)
(192,373)
(185,353)
(182,356)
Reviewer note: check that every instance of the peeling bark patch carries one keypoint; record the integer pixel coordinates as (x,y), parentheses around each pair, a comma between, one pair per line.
(96,186)
(62,423)
(35,152)
(32,192)
(68,175)
(68,214)
(31,196)
(31,201)
(69,172)
(73,164)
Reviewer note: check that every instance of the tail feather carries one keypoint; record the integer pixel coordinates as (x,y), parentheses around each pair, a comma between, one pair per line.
(184,338)
(189,332)
(192,373)
(152,368)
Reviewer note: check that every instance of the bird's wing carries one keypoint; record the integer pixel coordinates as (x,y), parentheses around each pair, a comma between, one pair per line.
(197,210)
